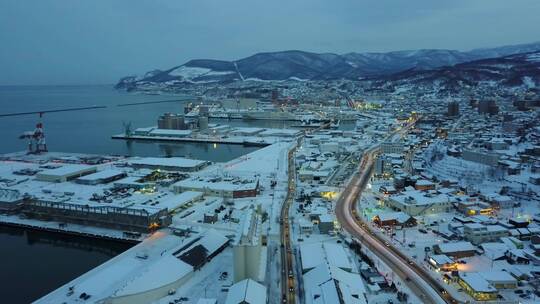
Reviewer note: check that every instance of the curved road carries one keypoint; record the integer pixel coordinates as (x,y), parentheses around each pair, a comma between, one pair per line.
(417,279)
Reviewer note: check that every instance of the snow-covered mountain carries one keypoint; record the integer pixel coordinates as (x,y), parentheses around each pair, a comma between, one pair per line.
(509,71)
(300,65)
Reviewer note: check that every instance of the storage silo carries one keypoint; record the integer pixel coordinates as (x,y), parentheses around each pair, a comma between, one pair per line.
(203,124)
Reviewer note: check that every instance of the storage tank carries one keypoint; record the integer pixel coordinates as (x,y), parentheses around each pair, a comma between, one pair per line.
(178,122)
(203,123)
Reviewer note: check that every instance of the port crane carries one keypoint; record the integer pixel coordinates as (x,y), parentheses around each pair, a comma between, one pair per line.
(36,138)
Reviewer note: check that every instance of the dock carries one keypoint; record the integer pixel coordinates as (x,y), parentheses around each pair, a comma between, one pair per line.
(68,229)
(211,140)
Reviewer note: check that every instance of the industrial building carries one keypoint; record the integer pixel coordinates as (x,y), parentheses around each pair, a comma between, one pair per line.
(172,122)
(122,218)
(169,164)
(169,133)
(101,177)
(65,173)
(222,187)
(202,249)
(249,262)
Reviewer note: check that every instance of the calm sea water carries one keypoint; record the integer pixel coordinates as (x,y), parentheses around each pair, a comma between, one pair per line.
(89,131)
(34,263)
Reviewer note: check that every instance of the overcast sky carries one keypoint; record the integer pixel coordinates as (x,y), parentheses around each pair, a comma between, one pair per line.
(99,41)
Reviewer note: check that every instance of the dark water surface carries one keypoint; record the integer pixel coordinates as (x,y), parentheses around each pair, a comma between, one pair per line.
(89,131)
(34,263)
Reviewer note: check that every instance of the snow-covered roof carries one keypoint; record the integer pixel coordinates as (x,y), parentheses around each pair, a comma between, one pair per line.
(280,132)
(476,282)
(163,272)
(413,197)
(246,292)
(66,170)
(456,247)
(267,160)
(169,132)
(315,254)
(213,240)
(498,276)
(128,274)
(179,162)
(103,174)
(201,184)
(441,259)
(401,217)
(175,201)
(322,283)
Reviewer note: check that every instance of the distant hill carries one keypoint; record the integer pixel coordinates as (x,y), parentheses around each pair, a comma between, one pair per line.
(510,71)
(300,65)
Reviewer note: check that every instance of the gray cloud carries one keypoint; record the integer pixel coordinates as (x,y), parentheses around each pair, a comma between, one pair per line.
(78,41)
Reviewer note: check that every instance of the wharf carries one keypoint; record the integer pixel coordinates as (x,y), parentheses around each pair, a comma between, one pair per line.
(246,141)
(69,229)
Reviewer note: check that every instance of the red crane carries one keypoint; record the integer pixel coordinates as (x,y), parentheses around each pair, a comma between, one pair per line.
(36,138)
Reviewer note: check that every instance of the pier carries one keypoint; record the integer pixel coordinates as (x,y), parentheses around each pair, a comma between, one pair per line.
(231,141)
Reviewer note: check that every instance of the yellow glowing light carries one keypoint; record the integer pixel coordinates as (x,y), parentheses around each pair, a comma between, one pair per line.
(329,195)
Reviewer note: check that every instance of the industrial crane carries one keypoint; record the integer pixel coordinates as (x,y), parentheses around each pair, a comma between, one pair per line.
(36,138)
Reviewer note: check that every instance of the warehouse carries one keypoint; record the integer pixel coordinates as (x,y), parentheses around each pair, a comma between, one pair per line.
(226,188)
(169,164)
(65,173)
(101,177)
(123,218)
(179,201)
